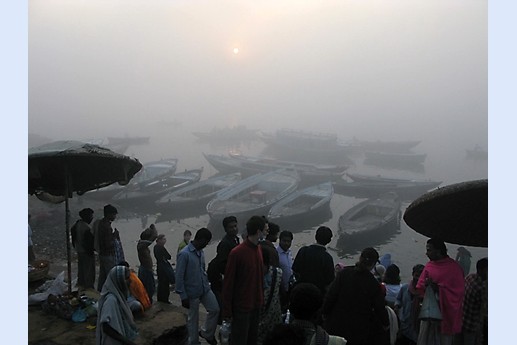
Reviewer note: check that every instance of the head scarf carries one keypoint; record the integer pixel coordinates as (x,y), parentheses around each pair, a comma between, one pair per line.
(116,285)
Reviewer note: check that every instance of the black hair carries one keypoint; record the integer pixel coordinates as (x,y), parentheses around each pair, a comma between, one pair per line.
(323,235)
(203,233)
(85,213)
(254,224)
(286,233)
(109,209)
(274,229)
(438,244)
(481,264)
(392,274)
(228,220)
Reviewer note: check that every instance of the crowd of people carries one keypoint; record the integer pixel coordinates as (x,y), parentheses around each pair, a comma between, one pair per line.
(270,297)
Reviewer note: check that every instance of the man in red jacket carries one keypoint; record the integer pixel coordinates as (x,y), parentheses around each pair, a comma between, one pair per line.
(243,285)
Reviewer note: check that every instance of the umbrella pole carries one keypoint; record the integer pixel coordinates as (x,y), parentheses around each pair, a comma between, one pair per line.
(68,254)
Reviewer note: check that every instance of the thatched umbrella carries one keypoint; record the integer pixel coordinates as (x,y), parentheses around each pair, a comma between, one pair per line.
(63,167)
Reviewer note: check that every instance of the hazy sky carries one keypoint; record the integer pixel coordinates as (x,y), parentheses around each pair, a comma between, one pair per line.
(410,69)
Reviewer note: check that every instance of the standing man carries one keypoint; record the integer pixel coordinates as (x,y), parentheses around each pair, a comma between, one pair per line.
(243,292)
(193,287)
(145,271)
(286,263)
(217,266)
(104,243)
(445,276)
(82,240)
(473,318)
(269,244)
(313,264)
(355,307)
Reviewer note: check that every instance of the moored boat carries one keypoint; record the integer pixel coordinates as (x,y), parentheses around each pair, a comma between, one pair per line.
(302,204)
(395,158)
(197,194)
(387,146)
(365,223)
(147,193)
(406,190)
(254,195)
(249,165)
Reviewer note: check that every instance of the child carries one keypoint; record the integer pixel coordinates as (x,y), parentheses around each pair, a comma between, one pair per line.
(186,239)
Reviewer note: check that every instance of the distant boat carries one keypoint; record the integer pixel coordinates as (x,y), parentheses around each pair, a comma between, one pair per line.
(228,134)
(150,171)
(302,204)
(145,193)
(387,146)
(197,194)
(254,195)
(367,221)
(249,165)
(313,142)
(406,190)
(379,178)
(128,140)
(477,153)
(395,158)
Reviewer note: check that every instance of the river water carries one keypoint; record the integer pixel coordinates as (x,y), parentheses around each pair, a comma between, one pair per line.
(406,246)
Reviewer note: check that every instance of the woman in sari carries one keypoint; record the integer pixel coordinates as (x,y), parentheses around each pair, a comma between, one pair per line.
(115,323)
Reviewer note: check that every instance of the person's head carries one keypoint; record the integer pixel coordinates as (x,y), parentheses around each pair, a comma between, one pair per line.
(482,268)
(378,272)
(323,235)
(274,229)
(118,278)
(338,267)
(161,240)
(202,238)
(110,212)
(286,240)
(187,235)
(368,259)
(230,225)
(417,271)
(285,334)
(392,275)
(304,301)
(255,227)
(463,251)
(86,215)
(435,249)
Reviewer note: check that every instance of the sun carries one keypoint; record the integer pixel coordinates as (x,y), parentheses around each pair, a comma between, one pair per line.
(235,51)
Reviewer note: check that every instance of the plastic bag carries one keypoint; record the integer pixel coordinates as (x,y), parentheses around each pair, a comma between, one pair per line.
(57,287)
(430,306)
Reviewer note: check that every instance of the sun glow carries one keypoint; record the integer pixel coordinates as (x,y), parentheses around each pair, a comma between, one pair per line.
(235,50)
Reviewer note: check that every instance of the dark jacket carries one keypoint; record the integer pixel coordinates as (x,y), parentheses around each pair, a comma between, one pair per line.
(314,265)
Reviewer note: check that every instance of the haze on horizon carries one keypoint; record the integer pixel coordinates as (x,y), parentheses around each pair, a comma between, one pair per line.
(370,69)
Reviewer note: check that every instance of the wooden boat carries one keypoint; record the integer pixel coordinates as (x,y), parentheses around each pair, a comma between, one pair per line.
(302,204)
(378,178)
(367,222)
(150,172)
(145,193)
(395,158)
(387,146)
(312,142)
(197,194)
(254,195)
(248,165)
(406,190)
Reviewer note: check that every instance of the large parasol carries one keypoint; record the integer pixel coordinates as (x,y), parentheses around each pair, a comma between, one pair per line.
(457,213)
(63,167)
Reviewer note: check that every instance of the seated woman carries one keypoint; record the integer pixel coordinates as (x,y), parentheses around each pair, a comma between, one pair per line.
(115,323)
